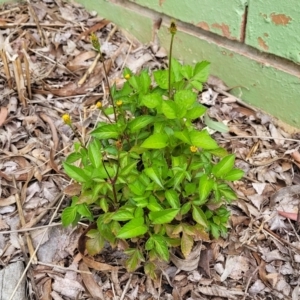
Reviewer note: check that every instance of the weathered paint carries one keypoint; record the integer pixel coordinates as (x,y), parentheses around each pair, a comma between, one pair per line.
(224,17)
(280,21)
(269,87)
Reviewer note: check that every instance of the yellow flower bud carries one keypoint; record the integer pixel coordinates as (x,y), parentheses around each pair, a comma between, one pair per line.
(99,104)
(95,41)
(119,102)
(173,28)
(127,76)
(193,149)
(67,119)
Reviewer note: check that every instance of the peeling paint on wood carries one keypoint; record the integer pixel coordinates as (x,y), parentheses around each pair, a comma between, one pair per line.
(280,19)
(203,25)
(224,28)
(262,43)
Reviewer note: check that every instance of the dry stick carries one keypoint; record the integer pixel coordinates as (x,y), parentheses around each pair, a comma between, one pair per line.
(27,72)
(38,246)
(30,229)
(52,61)
(6,68)
(112,32)
(22,82)
(238,100)
(64,268)
(36,20)
(90,70)
(248,282)
(45,25)
(23,223)
(34,221)
(8,11)
(126,287)
(159,289)
(260,137)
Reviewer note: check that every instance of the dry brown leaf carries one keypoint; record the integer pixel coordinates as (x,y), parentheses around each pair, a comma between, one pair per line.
(7,201)
(93,264)
(73,189)
(89,282)
(92,29)
(221,291)
(3,115)
(191,262)
(72,89)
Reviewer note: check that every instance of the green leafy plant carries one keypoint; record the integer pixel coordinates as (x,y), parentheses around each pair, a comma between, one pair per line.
(149,178)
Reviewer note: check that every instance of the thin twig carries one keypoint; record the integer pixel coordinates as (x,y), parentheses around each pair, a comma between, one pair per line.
(248,282)
(36,249)
(126,287)
(64,268)
(37,22)
(260,137)
(23,223)
(30,229)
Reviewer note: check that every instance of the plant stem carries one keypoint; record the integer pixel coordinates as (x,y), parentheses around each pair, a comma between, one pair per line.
(109,89)
(170,65)
(78,137)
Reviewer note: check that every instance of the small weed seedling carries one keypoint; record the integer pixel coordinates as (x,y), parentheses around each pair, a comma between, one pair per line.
(156,180)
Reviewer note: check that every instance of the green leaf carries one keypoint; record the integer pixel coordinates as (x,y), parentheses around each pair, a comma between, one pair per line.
(149,269)
(183,136)
(162,78)
(149,244)
(94,153)
(152,100)
(201,71)
(122,215)
(154,175)
(185,208)
(185,99)
(160,246)
(187,71)
(75,173)
(73,157)
(162,217)
(134,260)
(223,166)
(214,229)
(140,122)
(169,109)
(103,204)
(96,242)
(195,112)
(68,215)
(219,152)
(137,188)
(197,85)
(108,131)
(202,139)
(187,243)
(134,82)
(173,198)
(227,192)
(176,70)
(153,204)
(199,216)
(145,81)
(156,141)
(218,126)
(205,187)
(84,211)
(234,174)
(133,228)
